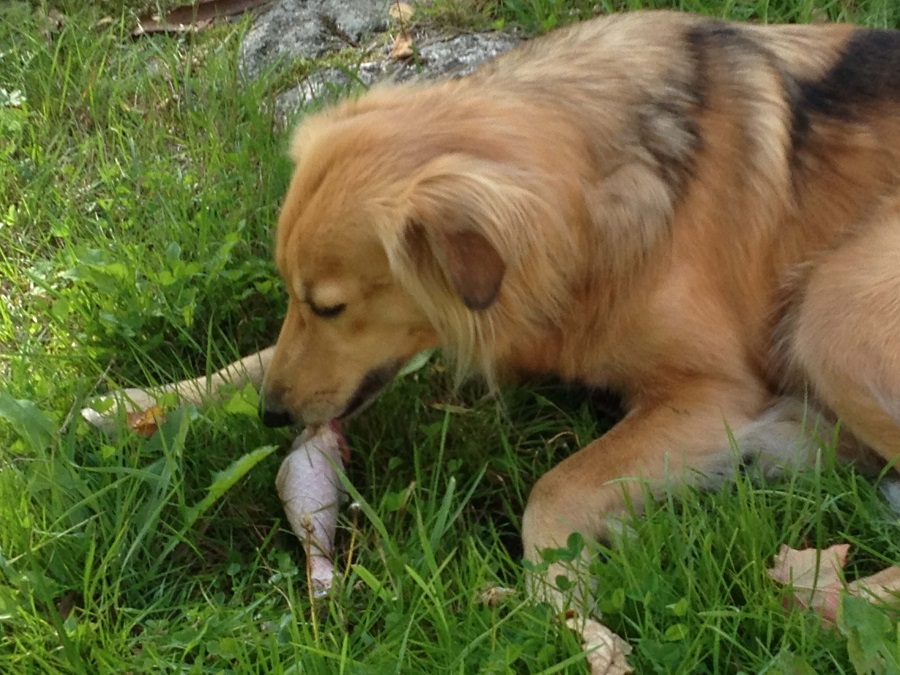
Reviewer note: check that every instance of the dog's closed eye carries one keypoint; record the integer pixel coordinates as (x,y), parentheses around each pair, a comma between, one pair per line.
(329,312)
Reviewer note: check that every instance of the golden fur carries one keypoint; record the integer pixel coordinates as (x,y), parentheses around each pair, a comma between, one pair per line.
(702,216)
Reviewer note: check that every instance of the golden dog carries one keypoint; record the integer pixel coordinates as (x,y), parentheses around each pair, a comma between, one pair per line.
(700,215)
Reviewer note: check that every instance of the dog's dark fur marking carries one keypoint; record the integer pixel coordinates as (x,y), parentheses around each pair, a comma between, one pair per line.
(867,72)
(715,35)
(696,47)
(717,43)
(667,124)
(800,120)
(669,132)
(720,51)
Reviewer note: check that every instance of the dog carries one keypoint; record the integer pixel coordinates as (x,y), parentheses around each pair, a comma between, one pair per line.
(702,216)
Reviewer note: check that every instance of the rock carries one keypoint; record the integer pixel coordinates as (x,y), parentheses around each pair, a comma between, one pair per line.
(310,29)
(295,29)
(318,85)
(452,57)
(459,56)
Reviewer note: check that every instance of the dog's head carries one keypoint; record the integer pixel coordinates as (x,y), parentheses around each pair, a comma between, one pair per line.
(380,246)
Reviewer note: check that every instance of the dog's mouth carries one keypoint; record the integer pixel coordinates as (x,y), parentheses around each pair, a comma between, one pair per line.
(372,384)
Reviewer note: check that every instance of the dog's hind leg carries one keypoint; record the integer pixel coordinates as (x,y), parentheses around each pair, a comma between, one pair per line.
(198,391)
(846,332)
(788,435)
(784,436)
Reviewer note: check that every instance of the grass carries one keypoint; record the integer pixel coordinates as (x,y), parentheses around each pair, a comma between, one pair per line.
(139,181)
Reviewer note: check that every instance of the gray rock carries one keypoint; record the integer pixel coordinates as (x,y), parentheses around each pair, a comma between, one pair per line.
(452,57)
(459,56)
(320,85)
(295,29)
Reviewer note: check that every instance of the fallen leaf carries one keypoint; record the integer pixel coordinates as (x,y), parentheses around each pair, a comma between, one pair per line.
(493,596)
(810,568)
(883,586)
(607,653)
(815,577)
(146,422)
(193,17)
(403,47)
(401,11)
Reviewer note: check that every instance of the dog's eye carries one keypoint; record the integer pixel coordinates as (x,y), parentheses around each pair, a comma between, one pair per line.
(327,312)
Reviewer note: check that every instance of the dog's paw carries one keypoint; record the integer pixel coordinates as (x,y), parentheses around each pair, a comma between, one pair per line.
(105,411)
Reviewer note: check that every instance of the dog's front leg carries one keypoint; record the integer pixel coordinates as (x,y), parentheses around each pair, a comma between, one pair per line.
(665,442)
(198,391)
(202,390)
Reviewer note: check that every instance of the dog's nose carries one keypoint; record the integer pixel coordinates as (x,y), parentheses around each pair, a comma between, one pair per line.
(273,415)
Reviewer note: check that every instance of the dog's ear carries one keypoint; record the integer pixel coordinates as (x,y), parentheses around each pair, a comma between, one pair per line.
(473,267)
(453,214)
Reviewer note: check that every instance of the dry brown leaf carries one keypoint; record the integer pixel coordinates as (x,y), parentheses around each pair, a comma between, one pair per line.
(146,422)
(67,602)
(403,47)
(607,653)
(401,11)
(809,569)
(815,577)
(883,586)
(193,17)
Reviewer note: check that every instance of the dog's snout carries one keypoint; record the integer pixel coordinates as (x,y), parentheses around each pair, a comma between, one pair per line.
(273,414)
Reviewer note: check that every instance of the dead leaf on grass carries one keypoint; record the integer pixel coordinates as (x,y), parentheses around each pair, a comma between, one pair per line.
(494,596)
(607,653)
(401,11)
(883,586)
(403,47)
(814,575)
(816,580)
(818,15)
(146,422)
(193,17)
